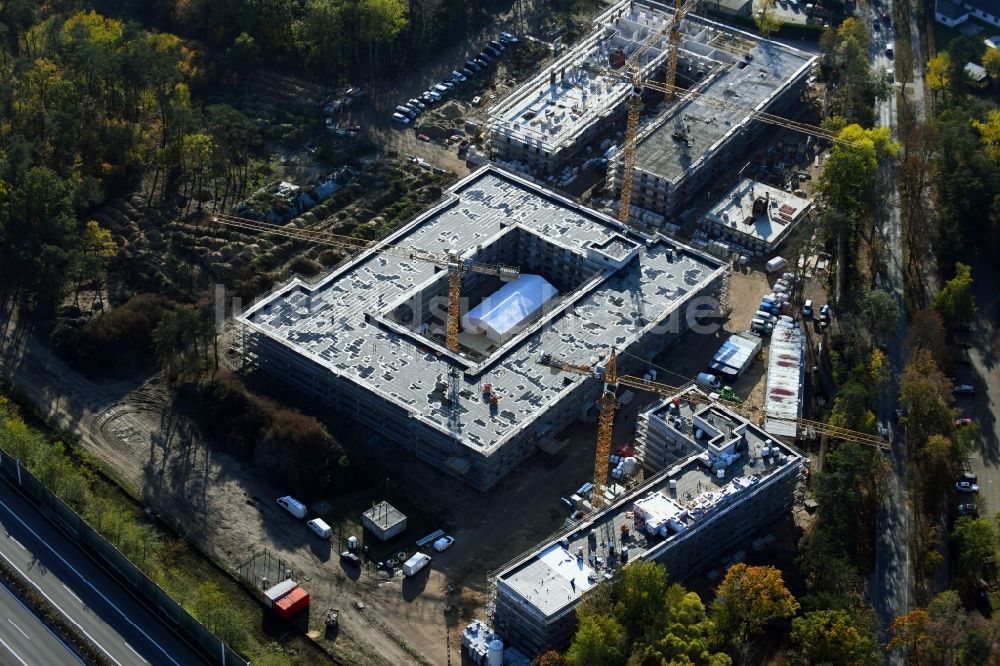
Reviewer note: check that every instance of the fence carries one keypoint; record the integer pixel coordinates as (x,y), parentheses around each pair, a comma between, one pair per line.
(171,613)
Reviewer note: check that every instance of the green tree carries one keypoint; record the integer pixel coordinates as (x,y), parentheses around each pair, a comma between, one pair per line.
(832,637)
(989,129)
(991,63)
(765,20)
(977,543)
(747,599)
(955,302)
(925,394)
(211,607)
(686,637)
(879,312)
(599,641)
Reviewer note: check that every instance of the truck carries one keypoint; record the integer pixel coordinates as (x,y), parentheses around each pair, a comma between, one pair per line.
(415,563)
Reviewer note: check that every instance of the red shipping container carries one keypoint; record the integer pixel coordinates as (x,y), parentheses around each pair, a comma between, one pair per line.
(291,603)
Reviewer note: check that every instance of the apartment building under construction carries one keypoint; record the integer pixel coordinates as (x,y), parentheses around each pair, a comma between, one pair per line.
(368,340)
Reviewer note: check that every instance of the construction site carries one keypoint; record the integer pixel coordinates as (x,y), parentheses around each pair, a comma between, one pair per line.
(724,81)
(445,363)
(727,479)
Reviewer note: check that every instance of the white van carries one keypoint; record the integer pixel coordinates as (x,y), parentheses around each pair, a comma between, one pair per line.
(708,380)
(293,506)
(319,526)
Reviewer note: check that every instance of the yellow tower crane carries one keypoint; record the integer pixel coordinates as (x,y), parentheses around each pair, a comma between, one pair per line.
(608,404)
(451,261)
(633,70)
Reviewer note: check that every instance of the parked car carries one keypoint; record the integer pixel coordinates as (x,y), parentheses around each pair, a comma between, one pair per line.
(492,51)
(473,65)
(467,73)
(966,487)
(458,76)
(485,58)
(442,89)
(434,95)
(807,309)
(444,543)
(968,476)
(400,118)
(964,389)
(424,137)
(888,52)
(824,312)
(499,46)
(406,111)
(418,103)
(463,146)
(427,99)
(413,107)
(508,38)
(962,423)
(450,85)
(968,510)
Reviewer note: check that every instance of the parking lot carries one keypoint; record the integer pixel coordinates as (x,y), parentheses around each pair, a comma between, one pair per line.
(980,370)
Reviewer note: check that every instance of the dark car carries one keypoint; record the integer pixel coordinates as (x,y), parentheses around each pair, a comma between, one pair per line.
(485,58)
(468,73)
(492,51)
(497,45)
(473,65)
(964,389)
(968,510)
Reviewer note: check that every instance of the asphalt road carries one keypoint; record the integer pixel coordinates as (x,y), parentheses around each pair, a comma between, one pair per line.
(124,630)
(24,639)
(892,579)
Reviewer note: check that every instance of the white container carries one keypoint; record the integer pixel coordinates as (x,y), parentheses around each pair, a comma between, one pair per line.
(352,543)
(320,528)
(495,655)
(721,474)
(293,506)
(415,563)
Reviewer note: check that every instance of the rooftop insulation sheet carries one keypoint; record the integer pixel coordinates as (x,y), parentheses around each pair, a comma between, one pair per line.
(501,312)
(785,378)
(329,322)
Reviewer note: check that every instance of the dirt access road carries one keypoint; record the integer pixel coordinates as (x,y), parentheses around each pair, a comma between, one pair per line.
(226,509)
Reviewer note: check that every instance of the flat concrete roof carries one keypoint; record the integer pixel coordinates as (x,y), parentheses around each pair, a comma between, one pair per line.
(550,114)
(329,322)
(542,577)
(734,211)
(717,51)
(384,515)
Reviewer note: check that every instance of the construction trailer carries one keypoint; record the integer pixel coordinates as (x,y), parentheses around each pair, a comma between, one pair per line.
(286,598)
(368,339)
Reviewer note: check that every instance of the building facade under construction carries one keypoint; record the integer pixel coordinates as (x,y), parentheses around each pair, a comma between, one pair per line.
(728,75)
(726,480)
(368,340)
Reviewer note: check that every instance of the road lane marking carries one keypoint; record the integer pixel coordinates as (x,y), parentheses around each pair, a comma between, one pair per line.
(110,604)
(136,653)
(44,626)
(59,608)
(19,629)
(11,537)
(73,594)
(11,650)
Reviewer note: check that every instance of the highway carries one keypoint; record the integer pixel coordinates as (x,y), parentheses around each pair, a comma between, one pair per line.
(121,628)
(24,639)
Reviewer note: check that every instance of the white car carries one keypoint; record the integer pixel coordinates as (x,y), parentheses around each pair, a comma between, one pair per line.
(508,38)
(400,118)
(444,543)
(458,76)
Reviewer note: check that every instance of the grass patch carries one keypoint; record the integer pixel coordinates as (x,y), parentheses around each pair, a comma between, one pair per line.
(204,589)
